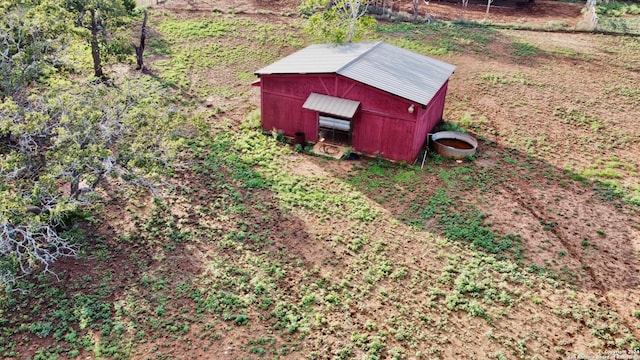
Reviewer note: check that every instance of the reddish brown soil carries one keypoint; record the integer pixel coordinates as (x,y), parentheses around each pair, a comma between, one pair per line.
(606,269)
(598,241)
(539,14)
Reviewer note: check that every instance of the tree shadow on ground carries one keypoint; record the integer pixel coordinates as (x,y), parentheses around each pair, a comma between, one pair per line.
(154,272)
(562,219)
(515,206)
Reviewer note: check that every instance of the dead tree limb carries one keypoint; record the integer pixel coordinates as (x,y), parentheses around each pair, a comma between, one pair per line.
(486,15)
(140,49)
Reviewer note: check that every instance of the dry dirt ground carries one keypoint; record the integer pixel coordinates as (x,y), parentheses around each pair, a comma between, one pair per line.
(539,14)
(610,271)
(519,107)
(564,226)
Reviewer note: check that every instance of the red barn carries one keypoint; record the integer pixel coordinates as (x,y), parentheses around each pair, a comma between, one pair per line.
(377,98)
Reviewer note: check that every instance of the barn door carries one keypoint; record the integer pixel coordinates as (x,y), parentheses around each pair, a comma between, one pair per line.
(334,117)
(334,130)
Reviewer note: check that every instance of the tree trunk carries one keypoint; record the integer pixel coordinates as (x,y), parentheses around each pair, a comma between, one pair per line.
(140,49)
(465,4)
(95,48)
(486,15)
(415,9)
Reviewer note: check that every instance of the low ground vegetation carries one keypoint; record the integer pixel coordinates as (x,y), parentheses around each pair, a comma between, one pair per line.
(253,250)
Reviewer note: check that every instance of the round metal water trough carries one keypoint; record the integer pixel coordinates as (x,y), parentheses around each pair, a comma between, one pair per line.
(454,144)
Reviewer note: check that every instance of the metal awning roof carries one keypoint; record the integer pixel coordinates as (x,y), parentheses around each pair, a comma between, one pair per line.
(331,105)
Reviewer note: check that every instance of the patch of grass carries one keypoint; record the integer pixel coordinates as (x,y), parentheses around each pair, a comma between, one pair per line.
(418,46)
(214,26)
(495,79)
(451,126)
(381,175)
(470,227)
(617,9)
(571,53)
(194,48)
(524,49)
(629,93)
(547,225)
(159,47)
(577,118)
(626,25)
(607,173)
(556,25)
(467,226)
(612,191)
(69,318)
(437,38)
(508,79)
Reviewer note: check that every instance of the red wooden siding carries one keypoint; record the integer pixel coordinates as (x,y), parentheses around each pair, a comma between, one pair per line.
(428,118)
(383,125)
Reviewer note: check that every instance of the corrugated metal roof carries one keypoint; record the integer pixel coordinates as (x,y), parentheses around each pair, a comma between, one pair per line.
(317,59)
(400,72)
(395,70)
(331,105)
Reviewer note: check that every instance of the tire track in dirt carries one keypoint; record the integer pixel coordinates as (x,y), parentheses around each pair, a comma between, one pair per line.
(527,200)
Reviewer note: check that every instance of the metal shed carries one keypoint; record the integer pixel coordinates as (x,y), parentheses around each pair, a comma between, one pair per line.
(375,97)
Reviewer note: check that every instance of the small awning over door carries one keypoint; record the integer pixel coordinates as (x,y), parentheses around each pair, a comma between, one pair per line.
(331,105)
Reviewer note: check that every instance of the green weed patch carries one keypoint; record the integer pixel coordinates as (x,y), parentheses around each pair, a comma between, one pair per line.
(524,49)
(438,38)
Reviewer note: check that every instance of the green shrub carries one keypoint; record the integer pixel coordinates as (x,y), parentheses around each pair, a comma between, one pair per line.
(252,121)
(617,9)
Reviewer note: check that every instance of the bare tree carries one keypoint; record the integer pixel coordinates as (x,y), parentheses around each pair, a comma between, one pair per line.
(95,49)
(341,21)
(352,10)
(486,15)
(591,15)
(140,49)
(384,6)
(33,246)
(94,15)
(465,4)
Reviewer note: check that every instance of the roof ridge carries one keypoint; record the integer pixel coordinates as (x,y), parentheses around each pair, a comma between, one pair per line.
(375,45)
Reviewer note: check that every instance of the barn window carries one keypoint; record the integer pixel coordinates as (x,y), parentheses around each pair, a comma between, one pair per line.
(334,116)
